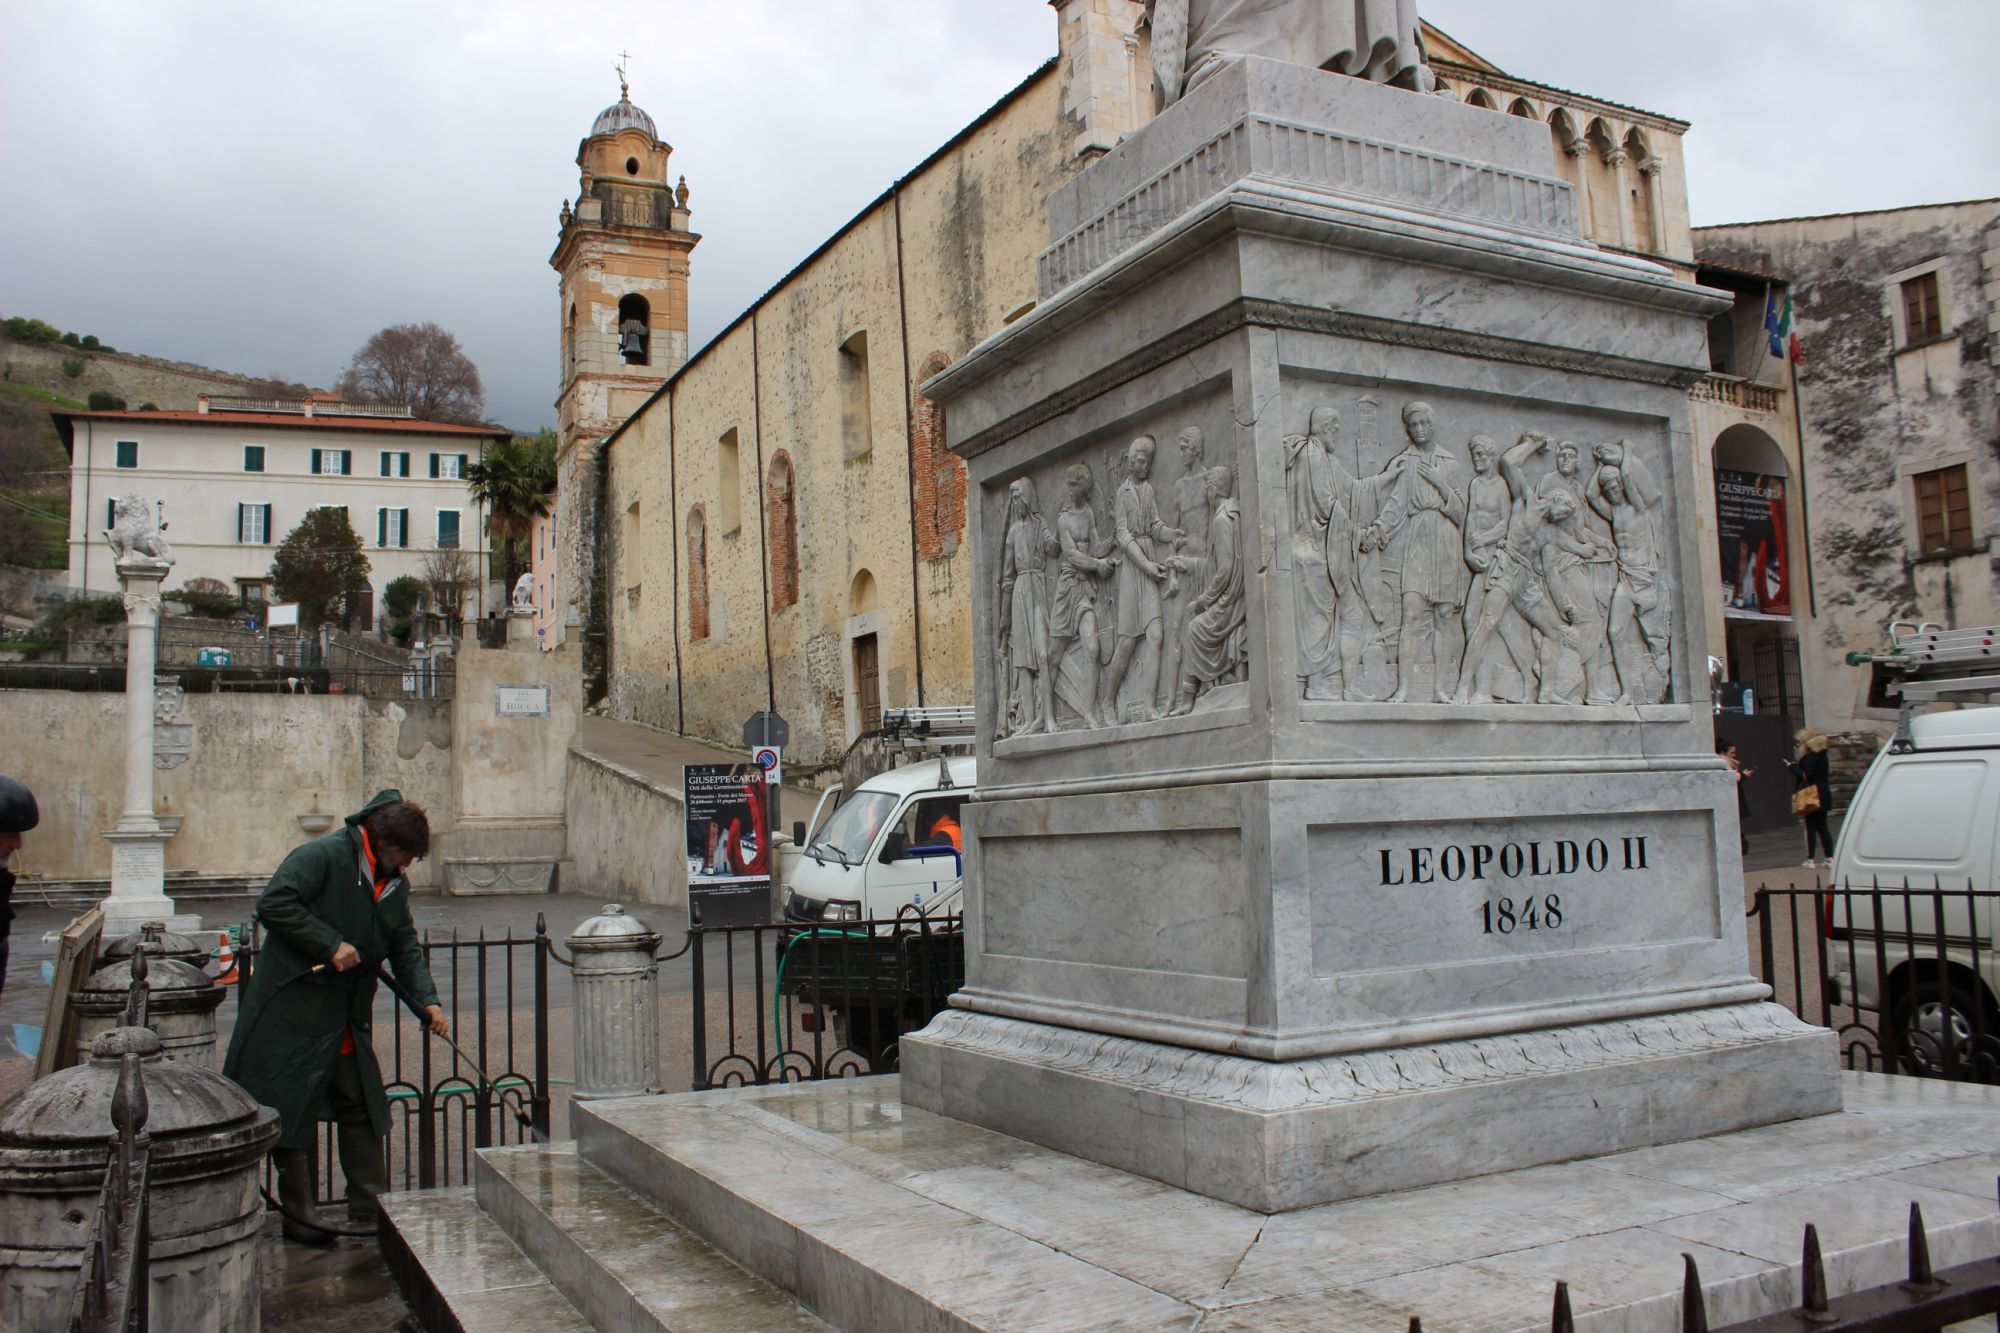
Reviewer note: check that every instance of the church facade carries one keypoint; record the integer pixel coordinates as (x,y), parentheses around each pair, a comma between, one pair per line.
(780,524)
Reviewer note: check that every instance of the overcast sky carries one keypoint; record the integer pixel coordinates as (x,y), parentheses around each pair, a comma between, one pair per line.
(259,187)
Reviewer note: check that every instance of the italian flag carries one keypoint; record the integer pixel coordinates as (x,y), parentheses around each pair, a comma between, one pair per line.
(1778,323)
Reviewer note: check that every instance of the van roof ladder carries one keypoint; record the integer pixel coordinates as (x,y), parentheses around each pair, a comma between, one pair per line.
(1930,663)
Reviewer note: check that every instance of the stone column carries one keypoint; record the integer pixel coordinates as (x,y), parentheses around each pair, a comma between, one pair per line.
(1656,198)
(139,844)
(1616,160)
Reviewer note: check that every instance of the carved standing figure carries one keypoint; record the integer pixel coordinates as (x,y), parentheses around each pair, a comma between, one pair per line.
(1508,593)
(1333,512)
(1073,618)
(1188,510)
(1024,610)
(1136,525)
(1624,494)
(1420,528)
(1584,667)
(1215,642)
(1602,571)
(1370,39)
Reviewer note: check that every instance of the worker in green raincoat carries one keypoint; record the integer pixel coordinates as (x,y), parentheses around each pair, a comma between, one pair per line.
(303,1046)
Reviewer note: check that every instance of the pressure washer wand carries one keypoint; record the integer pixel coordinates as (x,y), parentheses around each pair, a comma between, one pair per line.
(417,1008)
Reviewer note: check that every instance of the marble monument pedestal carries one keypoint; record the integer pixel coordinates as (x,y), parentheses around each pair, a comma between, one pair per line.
(1322,378)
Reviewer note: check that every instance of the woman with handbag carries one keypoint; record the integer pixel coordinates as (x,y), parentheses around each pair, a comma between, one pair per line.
(1814,795)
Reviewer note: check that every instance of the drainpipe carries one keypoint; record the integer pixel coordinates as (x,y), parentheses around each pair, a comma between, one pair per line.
(909,425)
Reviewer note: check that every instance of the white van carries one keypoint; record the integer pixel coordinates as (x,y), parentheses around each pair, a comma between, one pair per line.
(1926,814)
(893,845)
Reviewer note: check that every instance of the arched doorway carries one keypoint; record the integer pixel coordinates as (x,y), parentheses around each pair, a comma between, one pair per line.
(1762,701)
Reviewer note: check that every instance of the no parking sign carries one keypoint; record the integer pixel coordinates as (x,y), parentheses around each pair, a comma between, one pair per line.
(767,757)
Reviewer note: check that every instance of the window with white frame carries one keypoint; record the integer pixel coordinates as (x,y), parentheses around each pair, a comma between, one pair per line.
(333,462)
(448,467)
(395,464)
(253,524)
(392,527)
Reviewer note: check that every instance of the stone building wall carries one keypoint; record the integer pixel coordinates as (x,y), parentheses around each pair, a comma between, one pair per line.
(254,763)
(1878,408)
(817,389)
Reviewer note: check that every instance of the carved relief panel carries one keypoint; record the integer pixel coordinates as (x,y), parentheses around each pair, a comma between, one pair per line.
(1120,594)
(1475,555)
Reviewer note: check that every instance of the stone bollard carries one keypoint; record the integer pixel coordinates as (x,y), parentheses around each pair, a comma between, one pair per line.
(617,1006)
(181,1001)
(203,1214)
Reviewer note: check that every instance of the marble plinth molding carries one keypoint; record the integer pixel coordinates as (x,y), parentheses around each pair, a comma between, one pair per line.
(1336,552)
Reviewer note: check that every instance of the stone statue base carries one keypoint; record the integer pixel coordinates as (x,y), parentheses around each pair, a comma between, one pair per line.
(1371,788)
(138,884)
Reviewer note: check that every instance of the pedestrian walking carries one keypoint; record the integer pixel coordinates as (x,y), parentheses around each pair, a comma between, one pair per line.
(18,814)
(336,908)
(1812,800)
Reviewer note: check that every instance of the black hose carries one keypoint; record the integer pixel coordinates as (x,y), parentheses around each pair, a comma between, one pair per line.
(308,1223)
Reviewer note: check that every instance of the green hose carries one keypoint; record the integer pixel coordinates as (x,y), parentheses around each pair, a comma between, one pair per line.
(777,990)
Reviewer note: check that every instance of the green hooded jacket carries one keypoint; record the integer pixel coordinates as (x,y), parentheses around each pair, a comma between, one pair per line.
(289,1031)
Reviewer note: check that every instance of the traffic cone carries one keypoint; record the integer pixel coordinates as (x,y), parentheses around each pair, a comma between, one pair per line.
(225,956)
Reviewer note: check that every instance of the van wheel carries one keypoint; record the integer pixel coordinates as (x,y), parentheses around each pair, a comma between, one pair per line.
(1938,1029)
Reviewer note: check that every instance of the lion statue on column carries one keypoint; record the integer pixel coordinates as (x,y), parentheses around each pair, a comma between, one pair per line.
(134,535)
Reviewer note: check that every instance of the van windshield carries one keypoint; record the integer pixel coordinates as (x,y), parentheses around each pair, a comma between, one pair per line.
(851,830)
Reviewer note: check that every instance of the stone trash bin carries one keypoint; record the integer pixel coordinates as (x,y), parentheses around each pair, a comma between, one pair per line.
(181,1002)
(204,1212)
(617,1005)
(158,941)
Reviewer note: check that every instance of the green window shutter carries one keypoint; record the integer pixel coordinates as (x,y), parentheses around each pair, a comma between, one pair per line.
(110,514)
(405,464)
(434,467)
(240,507)
(403,527)
(381,527)
(385,463)
(346,462)
(267,525)
(462,462)
(315,462)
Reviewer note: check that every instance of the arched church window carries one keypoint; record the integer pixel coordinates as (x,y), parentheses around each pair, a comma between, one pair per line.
(697,539)
(781,508)
(635,331)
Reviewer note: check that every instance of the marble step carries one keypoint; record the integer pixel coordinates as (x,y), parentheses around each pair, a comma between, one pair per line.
(626,1267)
(859,1240)
(461,1274)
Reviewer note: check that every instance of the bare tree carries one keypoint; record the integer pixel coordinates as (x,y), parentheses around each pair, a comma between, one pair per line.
(418,364)
(448,575)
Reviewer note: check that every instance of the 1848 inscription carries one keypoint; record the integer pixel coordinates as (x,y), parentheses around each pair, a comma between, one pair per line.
(1531,858)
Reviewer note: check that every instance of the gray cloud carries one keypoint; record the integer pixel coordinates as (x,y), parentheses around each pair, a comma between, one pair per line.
(259,187)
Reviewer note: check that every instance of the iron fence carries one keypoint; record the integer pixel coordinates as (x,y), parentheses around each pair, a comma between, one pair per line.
(114,1281)
(496,993)
(1903,975)
(827,999)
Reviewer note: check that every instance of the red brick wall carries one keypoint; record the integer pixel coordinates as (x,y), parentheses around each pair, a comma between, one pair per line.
(937,476)
(697,573)
(781,521)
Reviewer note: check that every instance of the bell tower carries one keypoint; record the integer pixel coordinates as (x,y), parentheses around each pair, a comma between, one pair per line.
(622,264)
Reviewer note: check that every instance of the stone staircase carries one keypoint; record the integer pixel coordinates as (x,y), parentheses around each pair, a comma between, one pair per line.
(544,1241)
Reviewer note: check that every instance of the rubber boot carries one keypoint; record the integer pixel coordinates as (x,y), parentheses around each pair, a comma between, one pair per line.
(367,1172)
(295,1193)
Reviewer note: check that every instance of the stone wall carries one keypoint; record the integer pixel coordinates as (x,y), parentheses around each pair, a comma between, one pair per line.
(169,385)
(630,839)
(1877,408)
(254,764)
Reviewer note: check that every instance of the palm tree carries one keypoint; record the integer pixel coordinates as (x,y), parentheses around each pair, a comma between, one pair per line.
(515,480)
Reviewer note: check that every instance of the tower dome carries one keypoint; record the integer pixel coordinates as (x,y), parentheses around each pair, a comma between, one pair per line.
(622,115)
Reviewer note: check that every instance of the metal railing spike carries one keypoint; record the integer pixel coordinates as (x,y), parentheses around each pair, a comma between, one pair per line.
(1694,1311)
(1922,1277)
(1560,1319)
(1812,1277)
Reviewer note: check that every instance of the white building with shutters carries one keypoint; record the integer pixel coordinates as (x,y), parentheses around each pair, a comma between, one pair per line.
(236,475)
